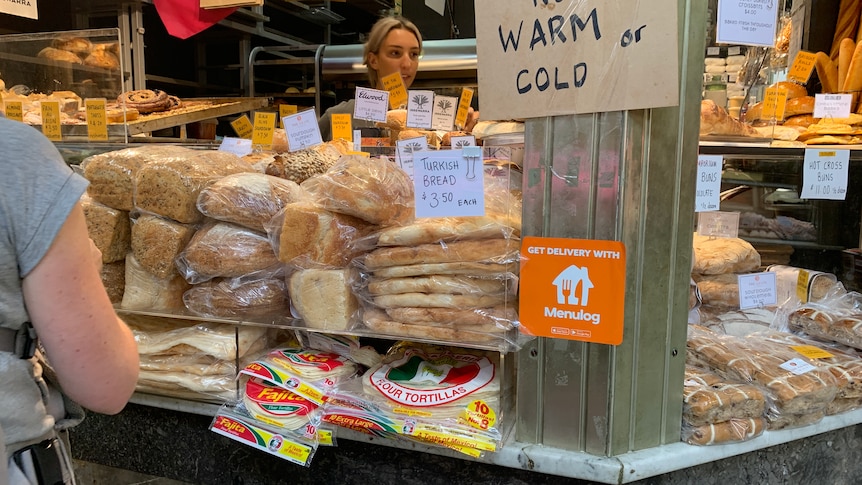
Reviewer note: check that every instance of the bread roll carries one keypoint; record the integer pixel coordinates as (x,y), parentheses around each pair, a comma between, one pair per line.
(430,136)
(312,236)
(709,398)
(108,228)
(103,59)
(157,241)
(723,255)
(226,250)
(447,137)
(248,199)
(374,190)
(59,55)
(78,45)
(794,90)
(322,298)
(170,186)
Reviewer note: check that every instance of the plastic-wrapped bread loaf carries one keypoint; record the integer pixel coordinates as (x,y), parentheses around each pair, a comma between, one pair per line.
(108,228)
(157,241)
(709,398)
(248,199)
(112,174)
(146,291)
(723,255)
(225,250)
(170,186)
(246,296)
(371,189)
(730,431)
(755,360)
(114,279)
(720,291)
(323,298)
(817,321)
(311,236)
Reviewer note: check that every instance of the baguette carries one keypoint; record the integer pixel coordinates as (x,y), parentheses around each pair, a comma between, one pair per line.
(846,25)
(827,72)
(845,54)
(853,83)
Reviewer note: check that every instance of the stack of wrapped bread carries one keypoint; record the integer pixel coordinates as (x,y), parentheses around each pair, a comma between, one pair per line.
(716,265)
(718,410)
(192,360)
(796,399)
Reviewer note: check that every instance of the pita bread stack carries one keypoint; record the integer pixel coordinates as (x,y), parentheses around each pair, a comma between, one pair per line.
(191,361)
(834,131)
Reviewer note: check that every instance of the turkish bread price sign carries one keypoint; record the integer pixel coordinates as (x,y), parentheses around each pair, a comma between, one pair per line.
(449,183)
(708,188)
(747,22)
(824,174)
(573,289)
(556,57)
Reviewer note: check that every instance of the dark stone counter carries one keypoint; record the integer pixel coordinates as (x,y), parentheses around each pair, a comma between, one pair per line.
(179,446)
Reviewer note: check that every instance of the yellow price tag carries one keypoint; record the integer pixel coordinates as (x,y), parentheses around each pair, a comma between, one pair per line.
(802,67)
(286,110)
(802,285)
(812,352)
(243,127)
(774,101)
(324,437)
(342,126)
(51,120)
(397,92)
(480,415)
(15,110)
(264,126)
(361,154)
(97,119)
(463,107)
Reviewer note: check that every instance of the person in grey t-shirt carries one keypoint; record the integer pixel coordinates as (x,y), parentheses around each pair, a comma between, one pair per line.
(49,276)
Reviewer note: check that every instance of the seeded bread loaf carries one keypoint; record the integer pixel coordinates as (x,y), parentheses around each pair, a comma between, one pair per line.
(108,228)
(225,250)
(248,199)
(114,280)
(157,241)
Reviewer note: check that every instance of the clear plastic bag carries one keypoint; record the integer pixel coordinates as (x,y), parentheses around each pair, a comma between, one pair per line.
(221,249)
(248,199)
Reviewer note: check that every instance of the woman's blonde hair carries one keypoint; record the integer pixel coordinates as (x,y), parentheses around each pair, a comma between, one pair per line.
(378,34)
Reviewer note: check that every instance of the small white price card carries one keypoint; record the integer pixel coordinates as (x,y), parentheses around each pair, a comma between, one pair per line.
(797,366)
(405,150)
(708,187)
(757,290)
(752,22)
(302,130)
(462,141)
(371,104)
(832,105)
(238,146)
(718,224)
(357,140)
(443,117)
(449,183)
(824,174)
(713,51)
(419,106)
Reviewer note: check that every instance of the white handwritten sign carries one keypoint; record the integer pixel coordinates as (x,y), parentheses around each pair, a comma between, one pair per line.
(419,106)
(756,290)
(371,104)
(449,183)
(555,57)
(302,130)
(28,9)
(832,105)
(748,22)
(718,224)
(708,188)
(443,117)
(824,174)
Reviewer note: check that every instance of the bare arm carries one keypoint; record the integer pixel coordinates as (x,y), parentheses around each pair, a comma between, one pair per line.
(93,352)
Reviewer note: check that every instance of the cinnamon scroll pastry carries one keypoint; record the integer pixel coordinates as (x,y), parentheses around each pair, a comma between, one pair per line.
(146,100)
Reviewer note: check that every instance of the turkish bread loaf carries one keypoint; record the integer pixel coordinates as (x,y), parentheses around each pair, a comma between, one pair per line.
(248,199)
(108,228)
(431,230)
(455,268)
(238,297)
(490,250)
(723,255)
(453,284)
(146,291)
(226,250)
(156,243)
(503,317)
(112,174)
(313,236)
(371,189)
(170,186)
(322,298)
(380,322)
